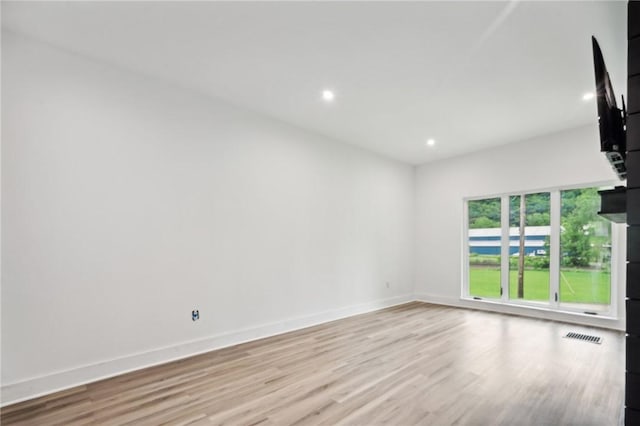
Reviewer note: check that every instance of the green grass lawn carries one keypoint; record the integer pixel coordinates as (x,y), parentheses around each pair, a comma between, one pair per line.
(575,286)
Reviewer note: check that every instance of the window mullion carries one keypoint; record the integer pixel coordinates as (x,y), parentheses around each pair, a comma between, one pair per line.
(554,250)
(504,258)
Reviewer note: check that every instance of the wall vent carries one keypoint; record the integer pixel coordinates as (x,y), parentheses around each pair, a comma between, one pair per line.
(584,337)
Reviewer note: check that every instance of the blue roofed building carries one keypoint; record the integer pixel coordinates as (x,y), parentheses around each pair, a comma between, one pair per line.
(487,240)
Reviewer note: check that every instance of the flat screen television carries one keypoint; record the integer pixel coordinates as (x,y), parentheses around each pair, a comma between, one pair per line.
(611,119)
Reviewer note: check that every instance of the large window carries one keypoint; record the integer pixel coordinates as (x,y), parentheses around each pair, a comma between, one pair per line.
(484,248)
(547,249)
(529,231)
(585,252)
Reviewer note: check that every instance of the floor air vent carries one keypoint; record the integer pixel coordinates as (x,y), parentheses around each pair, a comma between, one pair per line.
(584,337)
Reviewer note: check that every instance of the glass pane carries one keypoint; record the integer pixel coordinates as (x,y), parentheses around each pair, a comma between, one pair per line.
(585,247)
(529,237)
(484,248)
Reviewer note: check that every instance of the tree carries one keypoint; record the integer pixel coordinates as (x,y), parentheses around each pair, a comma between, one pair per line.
(484,222)
(579,219)
(484,213)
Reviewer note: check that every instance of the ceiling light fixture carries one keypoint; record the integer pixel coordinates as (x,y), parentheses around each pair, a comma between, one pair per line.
(431,142)
(587,96)
(328,95)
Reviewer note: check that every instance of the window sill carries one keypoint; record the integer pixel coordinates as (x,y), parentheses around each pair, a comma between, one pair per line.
(526,306)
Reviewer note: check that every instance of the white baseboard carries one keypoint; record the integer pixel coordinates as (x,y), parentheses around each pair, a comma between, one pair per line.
(528,311)
(39,386)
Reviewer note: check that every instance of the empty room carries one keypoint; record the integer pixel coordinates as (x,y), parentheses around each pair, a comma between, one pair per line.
(320,213)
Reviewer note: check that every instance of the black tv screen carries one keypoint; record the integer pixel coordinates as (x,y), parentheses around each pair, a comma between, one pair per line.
(611,120)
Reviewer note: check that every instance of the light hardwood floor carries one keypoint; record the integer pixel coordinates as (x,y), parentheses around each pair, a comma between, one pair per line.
(412,364)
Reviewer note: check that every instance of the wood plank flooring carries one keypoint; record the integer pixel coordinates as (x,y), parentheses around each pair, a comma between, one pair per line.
(412,364)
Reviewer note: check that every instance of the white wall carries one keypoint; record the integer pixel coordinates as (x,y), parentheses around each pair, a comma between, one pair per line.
(128,203)
(562,159)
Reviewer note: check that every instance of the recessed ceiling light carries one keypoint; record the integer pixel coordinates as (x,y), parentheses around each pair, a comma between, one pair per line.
(431,142)
(587,96)
(328,95)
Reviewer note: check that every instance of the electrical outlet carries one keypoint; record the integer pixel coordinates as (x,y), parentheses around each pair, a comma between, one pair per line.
(388,284)
(195,315)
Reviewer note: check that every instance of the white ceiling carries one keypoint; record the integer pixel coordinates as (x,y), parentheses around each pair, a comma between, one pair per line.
(468,74)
